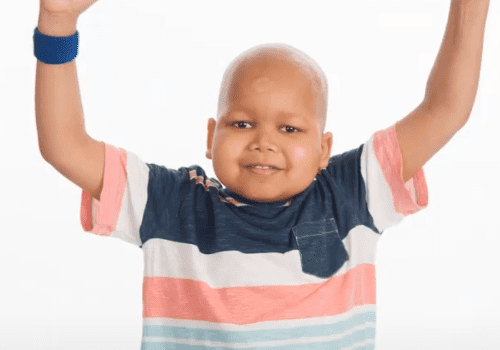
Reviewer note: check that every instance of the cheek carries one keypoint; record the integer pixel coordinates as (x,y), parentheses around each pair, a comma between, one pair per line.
(234,147)
(230,148)
(300,154)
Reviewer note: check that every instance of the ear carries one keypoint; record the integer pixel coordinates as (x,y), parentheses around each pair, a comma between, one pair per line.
(326,149)
(210,136)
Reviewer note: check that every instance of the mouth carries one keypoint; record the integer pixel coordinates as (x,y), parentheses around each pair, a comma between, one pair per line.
(262,170)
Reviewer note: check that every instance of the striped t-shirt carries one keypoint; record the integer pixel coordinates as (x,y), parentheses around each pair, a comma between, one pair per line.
(222,272)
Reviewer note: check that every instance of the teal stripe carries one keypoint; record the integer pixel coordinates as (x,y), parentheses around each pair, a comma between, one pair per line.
(245,337)
(361,335)
(257,335)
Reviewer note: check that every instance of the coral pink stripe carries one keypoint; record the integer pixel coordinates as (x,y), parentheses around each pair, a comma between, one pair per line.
(388,153)
(106,210)
(188,299)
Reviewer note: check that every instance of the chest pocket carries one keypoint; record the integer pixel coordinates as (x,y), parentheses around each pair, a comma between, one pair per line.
(322,252)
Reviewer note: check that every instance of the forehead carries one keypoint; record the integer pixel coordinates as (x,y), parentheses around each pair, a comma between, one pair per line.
(260,77)
(263,73)
(261,84)
(269,81)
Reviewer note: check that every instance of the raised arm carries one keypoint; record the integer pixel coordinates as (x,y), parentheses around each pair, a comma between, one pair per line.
(62,137)
(451,88)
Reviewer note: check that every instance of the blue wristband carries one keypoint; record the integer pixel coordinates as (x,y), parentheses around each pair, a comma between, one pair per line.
(55,49)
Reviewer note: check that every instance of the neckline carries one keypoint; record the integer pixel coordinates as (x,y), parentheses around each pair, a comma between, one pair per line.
(250,202)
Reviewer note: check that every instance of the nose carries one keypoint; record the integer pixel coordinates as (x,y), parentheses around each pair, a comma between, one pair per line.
(263,141)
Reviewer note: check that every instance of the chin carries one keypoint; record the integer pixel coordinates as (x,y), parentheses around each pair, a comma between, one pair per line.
(264,200)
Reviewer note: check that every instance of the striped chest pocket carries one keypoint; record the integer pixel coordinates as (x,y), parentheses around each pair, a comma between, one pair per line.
(322,252)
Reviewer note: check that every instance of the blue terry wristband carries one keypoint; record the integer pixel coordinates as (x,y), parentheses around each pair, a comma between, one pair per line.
(55,49)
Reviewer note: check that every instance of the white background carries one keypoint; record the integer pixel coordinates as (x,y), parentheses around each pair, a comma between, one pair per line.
(149,75)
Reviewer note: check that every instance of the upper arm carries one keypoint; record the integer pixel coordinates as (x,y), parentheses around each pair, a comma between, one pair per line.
(83,164)
(424,132)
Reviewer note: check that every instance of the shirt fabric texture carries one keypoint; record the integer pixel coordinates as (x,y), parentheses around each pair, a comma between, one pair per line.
(224,272)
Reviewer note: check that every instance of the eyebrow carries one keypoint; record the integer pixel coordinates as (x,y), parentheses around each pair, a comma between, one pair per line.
(293,115)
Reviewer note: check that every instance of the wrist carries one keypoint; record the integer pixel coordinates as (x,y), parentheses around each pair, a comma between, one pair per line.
(61,25)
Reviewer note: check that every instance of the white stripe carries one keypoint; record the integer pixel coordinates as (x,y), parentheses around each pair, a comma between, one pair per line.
(359,344)
(134,201)
(266,325)
(378,192)
(302,340)
(234,269)
(361,245)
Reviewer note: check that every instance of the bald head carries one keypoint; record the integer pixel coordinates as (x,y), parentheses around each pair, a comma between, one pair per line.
(284,59)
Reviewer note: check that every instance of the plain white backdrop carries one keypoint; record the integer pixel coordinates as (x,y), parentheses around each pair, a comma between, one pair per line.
(149,74)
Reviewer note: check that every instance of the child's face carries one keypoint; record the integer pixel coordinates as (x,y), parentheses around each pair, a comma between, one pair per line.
(265,103)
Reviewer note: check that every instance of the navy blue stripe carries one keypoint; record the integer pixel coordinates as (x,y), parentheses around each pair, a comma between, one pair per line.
(180,210)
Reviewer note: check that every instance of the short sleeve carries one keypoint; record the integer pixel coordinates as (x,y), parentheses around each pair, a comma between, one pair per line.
(119,212)
(388,198)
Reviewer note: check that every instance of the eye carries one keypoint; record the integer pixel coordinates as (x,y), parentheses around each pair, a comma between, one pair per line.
(288,126)
(239,122)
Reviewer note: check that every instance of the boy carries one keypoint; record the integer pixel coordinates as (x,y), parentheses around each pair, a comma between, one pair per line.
(283,256)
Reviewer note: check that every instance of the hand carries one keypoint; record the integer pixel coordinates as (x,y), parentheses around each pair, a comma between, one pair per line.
(70,8)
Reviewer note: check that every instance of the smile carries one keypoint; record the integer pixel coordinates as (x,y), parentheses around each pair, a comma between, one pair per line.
(262,171)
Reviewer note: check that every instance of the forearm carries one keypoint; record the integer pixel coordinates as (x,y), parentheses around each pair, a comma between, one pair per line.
(59,113)
(454,79)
